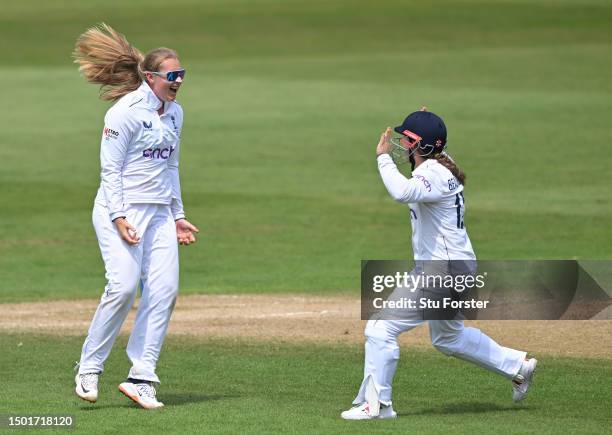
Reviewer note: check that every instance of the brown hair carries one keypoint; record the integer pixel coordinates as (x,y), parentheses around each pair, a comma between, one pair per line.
(105,57)
(445,160)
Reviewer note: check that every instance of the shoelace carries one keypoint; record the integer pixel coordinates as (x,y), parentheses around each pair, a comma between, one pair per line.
(89,380)
(146,390)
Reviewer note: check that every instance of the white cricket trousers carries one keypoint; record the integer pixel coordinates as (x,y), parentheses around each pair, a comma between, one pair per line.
(154,263)
(450,337)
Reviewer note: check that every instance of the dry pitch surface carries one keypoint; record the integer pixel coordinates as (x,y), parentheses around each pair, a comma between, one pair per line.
(305,319)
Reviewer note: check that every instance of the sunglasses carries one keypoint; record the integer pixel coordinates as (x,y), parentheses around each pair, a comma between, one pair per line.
(171,76)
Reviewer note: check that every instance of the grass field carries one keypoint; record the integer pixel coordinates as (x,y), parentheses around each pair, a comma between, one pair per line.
(242,387)
(284,103)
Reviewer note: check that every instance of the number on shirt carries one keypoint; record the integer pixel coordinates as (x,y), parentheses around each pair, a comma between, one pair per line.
(460,204)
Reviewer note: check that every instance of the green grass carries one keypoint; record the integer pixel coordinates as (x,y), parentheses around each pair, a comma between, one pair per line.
(246,387)
(284,103)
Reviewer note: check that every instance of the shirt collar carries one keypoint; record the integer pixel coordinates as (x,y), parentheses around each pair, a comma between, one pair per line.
(426,164)
(150,100)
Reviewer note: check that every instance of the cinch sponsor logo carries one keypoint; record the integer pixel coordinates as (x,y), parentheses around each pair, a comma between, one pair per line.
(424,180)
(109,132)
(148,126)
(157,153)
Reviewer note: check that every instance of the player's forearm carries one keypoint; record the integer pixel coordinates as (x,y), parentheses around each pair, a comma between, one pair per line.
(113,192)
(177,209)
(399,187)
(177,201)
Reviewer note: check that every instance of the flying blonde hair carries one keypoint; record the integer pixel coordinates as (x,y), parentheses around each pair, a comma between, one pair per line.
(105,57)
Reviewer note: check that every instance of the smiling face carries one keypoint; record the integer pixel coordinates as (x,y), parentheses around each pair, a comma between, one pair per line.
(161,87)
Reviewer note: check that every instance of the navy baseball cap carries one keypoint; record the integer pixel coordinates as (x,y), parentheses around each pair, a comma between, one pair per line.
(429,127)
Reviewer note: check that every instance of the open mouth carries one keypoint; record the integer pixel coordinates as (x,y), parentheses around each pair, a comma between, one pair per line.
(174,89)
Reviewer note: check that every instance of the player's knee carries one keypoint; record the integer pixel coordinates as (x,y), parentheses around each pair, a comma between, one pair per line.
(167,285)
(173,289)
(471,340)
(170,295)
(462,342)
(120,292)
(447,345)
(377,330)
(380,339)
(169,291)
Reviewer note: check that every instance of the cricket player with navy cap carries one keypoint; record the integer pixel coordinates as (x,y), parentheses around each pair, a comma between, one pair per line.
(434,194)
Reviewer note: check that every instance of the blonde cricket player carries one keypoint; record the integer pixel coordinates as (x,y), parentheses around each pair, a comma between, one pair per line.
(138,212)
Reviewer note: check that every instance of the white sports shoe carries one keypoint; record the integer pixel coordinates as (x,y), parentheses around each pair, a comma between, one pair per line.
(362,412)
(142,393)
(524,378)
(87,386)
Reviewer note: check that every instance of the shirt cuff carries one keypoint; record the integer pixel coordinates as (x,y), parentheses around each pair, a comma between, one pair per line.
(116,215)
(178,216)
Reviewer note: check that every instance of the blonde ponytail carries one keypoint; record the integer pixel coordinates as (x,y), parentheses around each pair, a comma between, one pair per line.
(105,57)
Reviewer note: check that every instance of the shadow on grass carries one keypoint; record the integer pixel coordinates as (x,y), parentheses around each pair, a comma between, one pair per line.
(169,399)
(185,398)
(466,408)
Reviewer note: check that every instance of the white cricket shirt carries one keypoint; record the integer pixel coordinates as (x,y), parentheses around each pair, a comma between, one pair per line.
(139,154)
(437,207)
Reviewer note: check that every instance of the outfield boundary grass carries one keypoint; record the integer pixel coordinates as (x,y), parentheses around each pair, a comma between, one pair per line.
(220,385)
